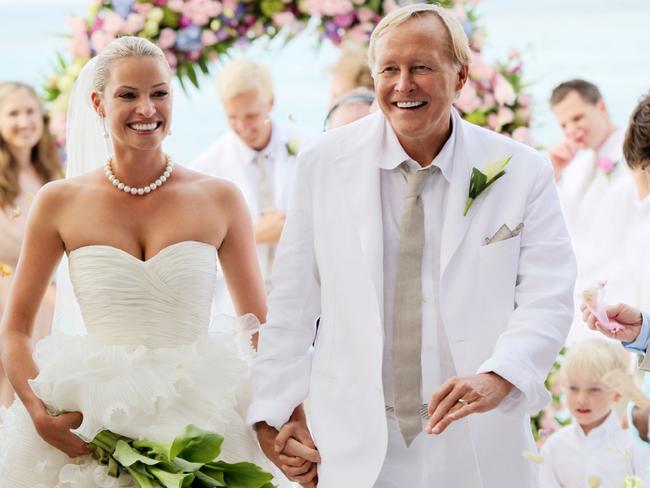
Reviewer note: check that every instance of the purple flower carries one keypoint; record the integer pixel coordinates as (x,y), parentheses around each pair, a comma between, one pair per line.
(122,7)
(189,39)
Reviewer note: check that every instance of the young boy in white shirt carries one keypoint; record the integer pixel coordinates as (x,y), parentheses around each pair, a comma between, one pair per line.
(594,450)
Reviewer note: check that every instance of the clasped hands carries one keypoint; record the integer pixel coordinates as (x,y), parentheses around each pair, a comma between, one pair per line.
(292,449)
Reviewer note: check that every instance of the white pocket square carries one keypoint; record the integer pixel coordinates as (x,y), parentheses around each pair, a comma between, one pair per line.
(504,233)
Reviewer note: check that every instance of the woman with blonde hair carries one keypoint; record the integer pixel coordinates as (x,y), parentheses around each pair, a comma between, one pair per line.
(28,159)
(141,237)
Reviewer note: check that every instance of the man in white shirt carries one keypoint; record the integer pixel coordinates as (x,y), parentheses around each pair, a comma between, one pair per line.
(433,307)
(596,188)
(258,154)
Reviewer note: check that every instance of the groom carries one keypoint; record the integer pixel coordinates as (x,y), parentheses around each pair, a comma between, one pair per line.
(427,315)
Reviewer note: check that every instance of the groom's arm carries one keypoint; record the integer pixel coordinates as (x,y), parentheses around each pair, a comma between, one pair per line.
(512,378)
(282,368)
(537,329)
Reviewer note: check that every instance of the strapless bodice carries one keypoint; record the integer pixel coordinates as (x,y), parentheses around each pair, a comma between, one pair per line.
(161,302)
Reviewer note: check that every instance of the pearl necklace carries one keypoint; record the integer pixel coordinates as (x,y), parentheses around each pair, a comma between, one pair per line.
(145,189)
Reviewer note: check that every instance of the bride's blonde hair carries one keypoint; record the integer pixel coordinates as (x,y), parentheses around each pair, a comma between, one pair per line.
(123,47)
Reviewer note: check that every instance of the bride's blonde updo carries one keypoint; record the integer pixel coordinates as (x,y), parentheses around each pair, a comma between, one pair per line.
(123,47)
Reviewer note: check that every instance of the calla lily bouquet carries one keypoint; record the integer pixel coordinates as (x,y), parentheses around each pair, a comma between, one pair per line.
(189,461)
(481,179)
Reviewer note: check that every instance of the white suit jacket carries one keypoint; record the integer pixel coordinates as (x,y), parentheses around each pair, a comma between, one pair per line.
(506,307)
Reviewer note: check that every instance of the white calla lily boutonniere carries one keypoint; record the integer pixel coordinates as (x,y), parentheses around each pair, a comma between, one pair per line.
(481,179)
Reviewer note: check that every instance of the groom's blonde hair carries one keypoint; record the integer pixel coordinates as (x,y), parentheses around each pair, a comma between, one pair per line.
(457,40)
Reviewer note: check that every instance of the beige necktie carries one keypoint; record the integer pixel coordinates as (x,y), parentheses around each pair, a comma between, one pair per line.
(266,205)
(407,333)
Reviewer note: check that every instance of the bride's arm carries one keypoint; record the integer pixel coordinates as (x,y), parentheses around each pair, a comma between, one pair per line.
(238,258)
(40,253)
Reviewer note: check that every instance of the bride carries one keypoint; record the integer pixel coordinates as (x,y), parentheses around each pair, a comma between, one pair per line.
(141,238)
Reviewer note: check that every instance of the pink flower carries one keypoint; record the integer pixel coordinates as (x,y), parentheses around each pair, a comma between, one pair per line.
(329,8)
(142,8)
(468,101)
(359,33)
(57,128)
(134,23)
(77,25)
(504,93)
(523,114)
(209,38)
(282,19)
(167,38)
(478,39)
(606,165)
(175,5)
(79,46)
(480,70)
(493,122)
(390,5)
(171,59)
(514,53)
(365,14)
(201,11)
(100,39)
(525,99)
(113,23)
(505,115)
(522,134)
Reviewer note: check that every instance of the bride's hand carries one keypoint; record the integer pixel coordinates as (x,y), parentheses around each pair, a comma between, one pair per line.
(55,430)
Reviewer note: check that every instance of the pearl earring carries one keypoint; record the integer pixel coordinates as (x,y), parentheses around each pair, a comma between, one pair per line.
(105,130)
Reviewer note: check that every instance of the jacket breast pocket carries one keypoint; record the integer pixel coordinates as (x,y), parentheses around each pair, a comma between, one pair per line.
(497,278)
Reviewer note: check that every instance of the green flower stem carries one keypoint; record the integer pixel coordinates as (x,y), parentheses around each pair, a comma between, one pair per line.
(468,204)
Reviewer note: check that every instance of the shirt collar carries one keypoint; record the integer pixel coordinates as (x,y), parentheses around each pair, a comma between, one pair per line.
(394,153)
(610,424)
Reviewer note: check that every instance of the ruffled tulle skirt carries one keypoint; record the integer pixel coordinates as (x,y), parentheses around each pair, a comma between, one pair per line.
(139,392)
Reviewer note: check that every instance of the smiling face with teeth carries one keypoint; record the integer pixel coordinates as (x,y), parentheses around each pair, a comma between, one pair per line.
(137,102)
(416,82)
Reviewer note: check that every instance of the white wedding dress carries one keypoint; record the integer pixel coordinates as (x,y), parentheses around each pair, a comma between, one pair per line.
(150,364)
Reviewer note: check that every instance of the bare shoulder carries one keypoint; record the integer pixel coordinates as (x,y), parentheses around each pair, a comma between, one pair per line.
(219,190)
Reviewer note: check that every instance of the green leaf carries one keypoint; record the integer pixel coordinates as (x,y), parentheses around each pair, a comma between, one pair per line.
(141,480)
(477,183)
(107,440)
(204,65)
(191,74)
(244,475)
(156,449)
(114,467)
(476,117)
(207,481)
(186,466)
(214,472)
(196,445)
(171,480)
(127,455)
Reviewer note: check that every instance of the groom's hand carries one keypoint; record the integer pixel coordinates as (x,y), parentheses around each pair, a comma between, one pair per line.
(292,449)
(460,397)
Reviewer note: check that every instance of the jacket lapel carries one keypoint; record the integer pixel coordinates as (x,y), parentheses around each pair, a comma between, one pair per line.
(455,225)
(361,190)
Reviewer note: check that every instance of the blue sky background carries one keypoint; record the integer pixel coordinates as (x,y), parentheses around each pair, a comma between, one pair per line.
(602,41)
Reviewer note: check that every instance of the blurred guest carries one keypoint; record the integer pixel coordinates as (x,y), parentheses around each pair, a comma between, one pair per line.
(28,160)
(595,186)
(350,107)
(350,71)
(258,154)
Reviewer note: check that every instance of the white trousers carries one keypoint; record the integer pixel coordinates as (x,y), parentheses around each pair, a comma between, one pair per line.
(442,461)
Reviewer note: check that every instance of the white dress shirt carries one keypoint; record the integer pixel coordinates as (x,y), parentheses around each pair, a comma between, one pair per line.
(437,364)
(607,452)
